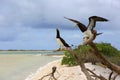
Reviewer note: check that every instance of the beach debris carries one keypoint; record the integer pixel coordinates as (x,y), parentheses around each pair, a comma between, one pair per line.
(52,76)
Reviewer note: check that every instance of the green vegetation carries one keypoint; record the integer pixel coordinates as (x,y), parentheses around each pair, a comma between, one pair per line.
(68,59)
(84,53)
(107,49)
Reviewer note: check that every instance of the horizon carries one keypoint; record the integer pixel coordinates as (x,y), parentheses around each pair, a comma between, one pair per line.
(45,49)
(31,25)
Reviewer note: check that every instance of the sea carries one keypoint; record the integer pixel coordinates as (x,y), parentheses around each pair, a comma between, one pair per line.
(18,65)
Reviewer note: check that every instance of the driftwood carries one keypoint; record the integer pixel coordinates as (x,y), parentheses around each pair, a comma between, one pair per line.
(102,59)
(50,74)
(81,64)
(115,76)
(95,75)
(110,75)
(96,52)
(84,69)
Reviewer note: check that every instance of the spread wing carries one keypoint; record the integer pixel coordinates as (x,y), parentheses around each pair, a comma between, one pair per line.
(81,26)
(93,20)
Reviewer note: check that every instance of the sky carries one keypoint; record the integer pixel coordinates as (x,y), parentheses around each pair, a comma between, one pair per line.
(31,24)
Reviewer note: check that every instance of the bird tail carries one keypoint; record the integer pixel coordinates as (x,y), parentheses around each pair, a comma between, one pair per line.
(99,34)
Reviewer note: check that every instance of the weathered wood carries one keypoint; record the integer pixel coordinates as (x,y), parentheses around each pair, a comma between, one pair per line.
(95,75)
(103,60)
(50,74)
(115,77)
(110,75)
(82,66)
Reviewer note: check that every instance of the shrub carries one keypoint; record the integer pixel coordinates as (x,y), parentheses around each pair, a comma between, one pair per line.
(84,53)
(68,59)
(107,49)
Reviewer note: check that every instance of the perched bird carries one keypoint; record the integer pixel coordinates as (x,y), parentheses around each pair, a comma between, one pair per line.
(89,30)
(61,41)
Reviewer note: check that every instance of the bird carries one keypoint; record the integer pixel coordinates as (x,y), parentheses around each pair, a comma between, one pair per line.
(89,30)
(61,41)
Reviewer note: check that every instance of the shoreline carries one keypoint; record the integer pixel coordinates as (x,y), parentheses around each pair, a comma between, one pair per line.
(35,50)
(28,50)
(64,72)
(44,53)
(32,75)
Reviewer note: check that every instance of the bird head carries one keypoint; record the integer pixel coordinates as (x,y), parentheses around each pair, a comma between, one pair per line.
(94,32)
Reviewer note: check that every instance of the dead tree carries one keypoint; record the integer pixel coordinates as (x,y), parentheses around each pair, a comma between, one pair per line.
(81,64)
(96,76)
(52,76)
(102,59)
(96,52)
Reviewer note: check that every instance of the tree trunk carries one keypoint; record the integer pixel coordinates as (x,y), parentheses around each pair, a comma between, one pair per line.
(104,61)
(81,64)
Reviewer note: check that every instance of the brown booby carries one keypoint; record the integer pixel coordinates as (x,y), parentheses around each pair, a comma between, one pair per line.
(88,30)
(61,41)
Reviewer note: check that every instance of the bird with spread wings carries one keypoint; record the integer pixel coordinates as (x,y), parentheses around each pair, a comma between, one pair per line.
(89,30)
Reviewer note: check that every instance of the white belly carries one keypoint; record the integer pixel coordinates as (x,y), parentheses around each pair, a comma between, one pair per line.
(88,33)
(59,42)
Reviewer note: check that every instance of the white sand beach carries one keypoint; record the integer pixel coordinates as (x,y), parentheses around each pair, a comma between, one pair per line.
(68,73)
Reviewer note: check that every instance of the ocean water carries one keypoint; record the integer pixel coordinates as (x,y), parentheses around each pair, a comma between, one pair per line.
(17,65)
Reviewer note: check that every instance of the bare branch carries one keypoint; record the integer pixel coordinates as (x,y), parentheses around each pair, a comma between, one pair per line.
(50,74)
(95,75)
(110,75)
(115,77)
(83,68)
(103,60)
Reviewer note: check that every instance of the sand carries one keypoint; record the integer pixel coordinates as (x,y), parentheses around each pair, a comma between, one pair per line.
(68,73)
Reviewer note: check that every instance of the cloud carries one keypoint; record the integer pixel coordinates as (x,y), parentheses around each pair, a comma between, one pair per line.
(6,34)
(32,39)
(21,20)
(49,14)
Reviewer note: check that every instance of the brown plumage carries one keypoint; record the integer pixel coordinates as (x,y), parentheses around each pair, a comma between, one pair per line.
(89,30)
